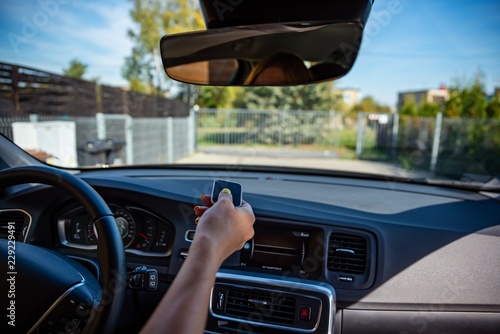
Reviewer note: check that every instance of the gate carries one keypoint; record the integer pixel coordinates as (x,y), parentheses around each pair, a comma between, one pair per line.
(272,132)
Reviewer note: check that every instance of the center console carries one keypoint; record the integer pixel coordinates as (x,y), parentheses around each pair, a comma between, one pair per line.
(263,304)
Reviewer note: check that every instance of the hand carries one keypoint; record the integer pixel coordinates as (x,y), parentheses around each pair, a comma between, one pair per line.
(223,226)
(222,230)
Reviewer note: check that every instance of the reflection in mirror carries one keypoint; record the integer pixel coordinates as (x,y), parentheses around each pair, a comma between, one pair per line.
(264,55)
(279,68)
(218,70)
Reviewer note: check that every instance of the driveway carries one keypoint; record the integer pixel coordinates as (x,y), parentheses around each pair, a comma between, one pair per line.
(331,163)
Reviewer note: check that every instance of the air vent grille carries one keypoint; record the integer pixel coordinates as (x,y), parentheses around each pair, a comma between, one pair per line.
(277,309)
(347,253)
(11,218)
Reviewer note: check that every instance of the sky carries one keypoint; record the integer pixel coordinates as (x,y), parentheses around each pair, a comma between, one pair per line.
(407,44)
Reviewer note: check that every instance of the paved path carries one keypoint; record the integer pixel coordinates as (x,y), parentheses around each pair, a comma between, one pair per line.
(331,163)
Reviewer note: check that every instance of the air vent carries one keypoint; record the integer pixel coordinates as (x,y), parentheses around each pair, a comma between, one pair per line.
(288,306)
(347,253)
(13,221)
(273,308)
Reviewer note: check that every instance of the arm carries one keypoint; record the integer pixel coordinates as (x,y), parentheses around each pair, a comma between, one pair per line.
(222,230)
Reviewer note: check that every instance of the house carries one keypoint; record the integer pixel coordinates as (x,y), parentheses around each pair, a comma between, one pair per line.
(349,96)
(420,97)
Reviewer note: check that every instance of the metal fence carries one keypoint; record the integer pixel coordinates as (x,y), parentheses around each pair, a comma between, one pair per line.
(273,132)
(436,144)
(439,145)
(130,140)
(445,146)
(161,140)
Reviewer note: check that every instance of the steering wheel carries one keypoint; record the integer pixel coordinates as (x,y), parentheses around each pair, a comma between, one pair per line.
(52,291)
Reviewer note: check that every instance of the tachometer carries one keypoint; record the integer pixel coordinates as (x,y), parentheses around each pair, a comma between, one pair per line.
(147,236)
(91,234)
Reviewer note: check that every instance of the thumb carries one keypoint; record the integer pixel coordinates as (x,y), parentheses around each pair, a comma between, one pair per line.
(226,194)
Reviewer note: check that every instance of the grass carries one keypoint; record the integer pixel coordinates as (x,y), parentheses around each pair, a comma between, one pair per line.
(341,143)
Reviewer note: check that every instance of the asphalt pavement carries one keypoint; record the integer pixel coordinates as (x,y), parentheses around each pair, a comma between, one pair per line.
(329,163)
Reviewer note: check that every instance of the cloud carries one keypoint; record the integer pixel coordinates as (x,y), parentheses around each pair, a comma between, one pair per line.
(92,32)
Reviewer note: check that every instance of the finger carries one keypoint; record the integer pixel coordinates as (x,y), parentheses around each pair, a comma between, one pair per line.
(200,210)
(245,205)
(206,199)
(248,210)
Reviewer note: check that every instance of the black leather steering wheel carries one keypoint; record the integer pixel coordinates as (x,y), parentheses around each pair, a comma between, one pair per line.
(57,278)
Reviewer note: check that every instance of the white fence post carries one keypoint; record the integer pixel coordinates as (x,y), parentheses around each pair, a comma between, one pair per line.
(170,140)
(129,139)
(226,125)
(395,130)
(360,134)
(436,142)
(282,128)
(101,125)
(335,125)
(191,132)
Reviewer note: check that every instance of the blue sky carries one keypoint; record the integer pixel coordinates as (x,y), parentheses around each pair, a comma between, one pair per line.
(425,44)
(408,44)
(94,32)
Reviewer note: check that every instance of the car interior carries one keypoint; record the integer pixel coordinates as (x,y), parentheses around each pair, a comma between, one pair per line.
(94,250)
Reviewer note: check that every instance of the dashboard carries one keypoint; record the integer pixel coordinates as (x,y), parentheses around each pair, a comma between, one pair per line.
(330,254)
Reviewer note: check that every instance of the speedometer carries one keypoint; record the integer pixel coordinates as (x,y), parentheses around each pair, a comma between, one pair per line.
(126,224)
(124,221)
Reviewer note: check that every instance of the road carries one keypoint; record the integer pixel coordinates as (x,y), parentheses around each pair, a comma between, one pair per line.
(330,163)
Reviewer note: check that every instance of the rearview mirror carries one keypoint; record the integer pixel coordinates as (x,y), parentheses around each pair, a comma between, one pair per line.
(262,55)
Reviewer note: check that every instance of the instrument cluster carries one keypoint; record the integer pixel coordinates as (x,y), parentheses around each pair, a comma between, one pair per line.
(142,232)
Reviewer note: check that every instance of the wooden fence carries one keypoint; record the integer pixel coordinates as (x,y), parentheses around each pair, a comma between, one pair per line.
(25,91)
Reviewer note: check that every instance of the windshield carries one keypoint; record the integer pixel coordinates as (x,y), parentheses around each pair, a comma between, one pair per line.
(82,85)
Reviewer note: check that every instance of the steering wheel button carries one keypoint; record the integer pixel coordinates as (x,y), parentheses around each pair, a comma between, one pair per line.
(71,301)
(68,323)
(81,308)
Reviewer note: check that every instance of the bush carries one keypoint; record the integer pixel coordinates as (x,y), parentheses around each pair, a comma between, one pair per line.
(289,128)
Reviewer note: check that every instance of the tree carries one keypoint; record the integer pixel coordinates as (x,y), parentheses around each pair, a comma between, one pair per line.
(369,104)
(467,100)
(493,108)
(76,69)
(155,18)
(306,97)
(409,107)
(428,109)
(138,70)
(216,97)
